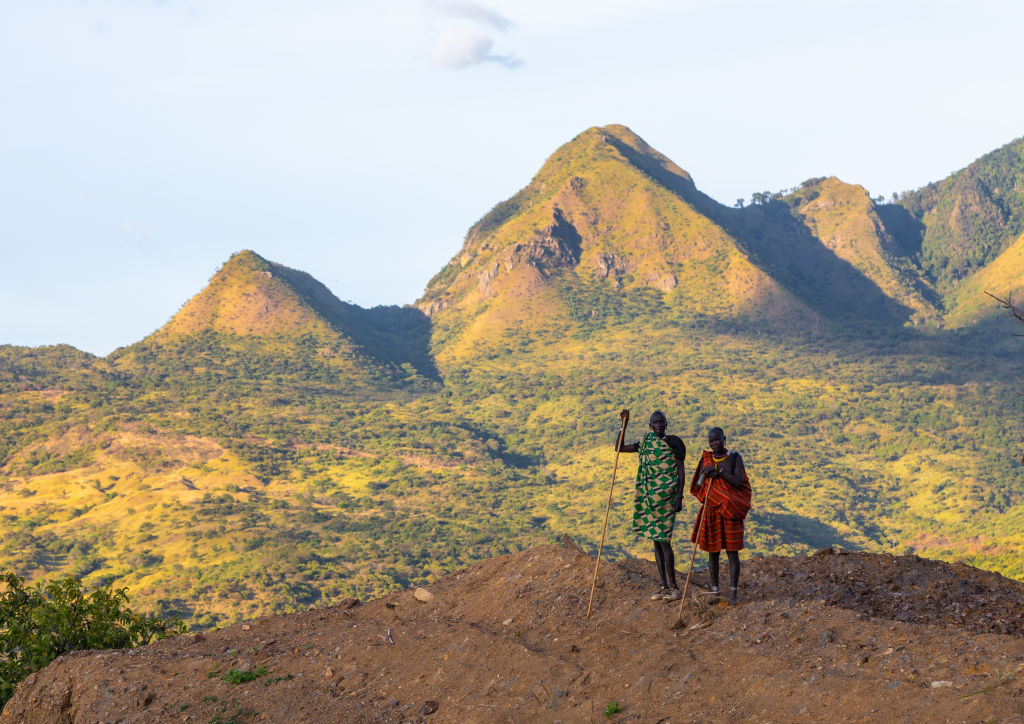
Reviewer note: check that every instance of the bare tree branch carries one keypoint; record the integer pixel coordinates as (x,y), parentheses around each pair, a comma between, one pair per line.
(1014,311)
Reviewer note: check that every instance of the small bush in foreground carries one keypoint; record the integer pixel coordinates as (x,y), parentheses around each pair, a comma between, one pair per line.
(240,677)
(39,624)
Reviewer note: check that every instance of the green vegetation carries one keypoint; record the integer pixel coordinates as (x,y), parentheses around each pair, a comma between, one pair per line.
(39,623)
(234,676)
(968,218)
(283,490)
(612,708)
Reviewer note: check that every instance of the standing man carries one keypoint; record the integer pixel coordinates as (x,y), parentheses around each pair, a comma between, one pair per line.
(720,483)
(659,496)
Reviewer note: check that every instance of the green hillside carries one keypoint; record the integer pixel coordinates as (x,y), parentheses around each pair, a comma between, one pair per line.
(967,219)
(847,222)
(273,447)
(1003,277)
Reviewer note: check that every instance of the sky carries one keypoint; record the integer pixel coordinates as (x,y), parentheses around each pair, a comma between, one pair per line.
(143,142)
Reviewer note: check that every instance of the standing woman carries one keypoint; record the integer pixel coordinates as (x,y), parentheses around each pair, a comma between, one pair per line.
(720,483)
(659,496)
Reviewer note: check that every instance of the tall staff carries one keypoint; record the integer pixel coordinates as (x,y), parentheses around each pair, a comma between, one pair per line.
(700,523)
(624,415)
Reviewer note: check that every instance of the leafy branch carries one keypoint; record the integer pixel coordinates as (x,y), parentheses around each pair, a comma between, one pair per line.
(38,624)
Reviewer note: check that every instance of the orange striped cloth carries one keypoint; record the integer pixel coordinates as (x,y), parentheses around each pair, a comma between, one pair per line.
(722,523)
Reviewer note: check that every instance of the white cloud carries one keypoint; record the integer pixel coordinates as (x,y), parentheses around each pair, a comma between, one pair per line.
(466,36)
(463,47)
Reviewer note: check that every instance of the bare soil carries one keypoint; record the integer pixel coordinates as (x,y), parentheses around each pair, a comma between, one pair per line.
(837,636)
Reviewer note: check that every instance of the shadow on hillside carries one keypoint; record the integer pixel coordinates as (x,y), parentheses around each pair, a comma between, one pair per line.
(799,530)
(907,231)
(398,335)
(783,246)
(497,445)
(391,335)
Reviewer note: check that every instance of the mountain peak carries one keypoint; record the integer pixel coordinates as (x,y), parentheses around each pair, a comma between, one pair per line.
(246,261)
(608,213)
(250,295)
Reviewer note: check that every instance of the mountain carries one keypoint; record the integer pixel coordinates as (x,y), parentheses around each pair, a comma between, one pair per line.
(847,222)
(608,222)
(254,303)
(252,296)
(609,218)
(603,215)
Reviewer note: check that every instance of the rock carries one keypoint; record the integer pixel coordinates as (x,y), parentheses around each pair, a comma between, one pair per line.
(613,264)
(429,707)
(422,594)
(567,541)
(328,673)
(941,684)
(507,622)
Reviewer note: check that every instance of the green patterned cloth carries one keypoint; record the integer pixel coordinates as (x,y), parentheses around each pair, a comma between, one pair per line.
(657,484)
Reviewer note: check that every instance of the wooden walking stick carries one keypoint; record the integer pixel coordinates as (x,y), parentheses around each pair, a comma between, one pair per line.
(618,446)
(700,522)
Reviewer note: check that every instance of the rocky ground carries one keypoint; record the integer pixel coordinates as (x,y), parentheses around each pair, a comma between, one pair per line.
(837,636)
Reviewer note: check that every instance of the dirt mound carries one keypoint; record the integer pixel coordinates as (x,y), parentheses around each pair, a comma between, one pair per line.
(836,637)
(902,588)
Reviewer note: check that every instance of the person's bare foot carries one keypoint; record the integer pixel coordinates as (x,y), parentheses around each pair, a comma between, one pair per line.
(733,599)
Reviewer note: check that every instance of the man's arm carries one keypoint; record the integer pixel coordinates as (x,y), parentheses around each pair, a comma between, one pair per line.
(627,447)
(698,476)
(735,473)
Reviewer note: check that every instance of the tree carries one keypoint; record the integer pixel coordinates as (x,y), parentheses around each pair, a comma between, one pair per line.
(39,624)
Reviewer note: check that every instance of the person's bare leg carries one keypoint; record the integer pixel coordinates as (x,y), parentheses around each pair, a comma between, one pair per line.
(659,559)
(713,571)
(734,576)
(669,559)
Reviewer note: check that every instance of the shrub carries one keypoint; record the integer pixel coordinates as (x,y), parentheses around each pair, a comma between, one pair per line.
(39,624)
